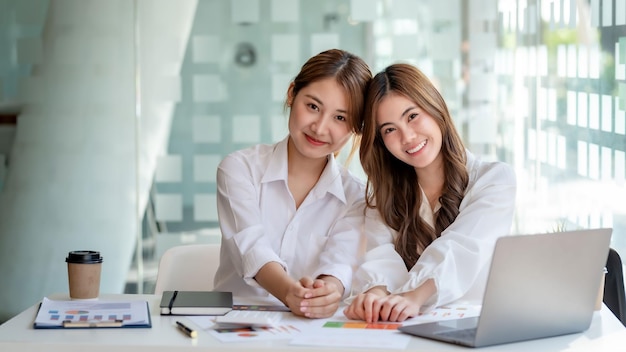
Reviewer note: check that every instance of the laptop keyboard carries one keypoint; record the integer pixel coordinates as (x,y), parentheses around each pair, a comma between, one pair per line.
(464,334)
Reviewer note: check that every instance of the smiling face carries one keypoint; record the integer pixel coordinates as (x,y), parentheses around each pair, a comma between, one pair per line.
(318,120)
(409,133)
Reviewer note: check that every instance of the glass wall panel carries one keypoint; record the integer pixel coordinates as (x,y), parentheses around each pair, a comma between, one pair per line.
(560,77)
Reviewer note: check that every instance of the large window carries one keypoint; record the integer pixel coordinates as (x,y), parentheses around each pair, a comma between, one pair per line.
(559,84)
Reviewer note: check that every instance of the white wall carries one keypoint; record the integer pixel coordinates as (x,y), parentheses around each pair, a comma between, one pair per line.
(73,182)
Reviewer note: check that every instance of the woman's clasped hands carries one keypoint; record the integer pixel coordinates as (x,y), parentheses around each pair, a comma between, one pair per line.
(315,298)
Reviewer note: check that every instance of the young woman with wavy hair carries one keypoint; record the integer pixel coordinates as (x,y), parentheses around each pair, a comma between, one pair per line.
(442,208)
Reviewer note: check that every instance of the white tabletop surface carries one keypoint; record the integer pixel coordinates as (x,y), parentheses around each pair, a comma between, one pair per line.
(17,335)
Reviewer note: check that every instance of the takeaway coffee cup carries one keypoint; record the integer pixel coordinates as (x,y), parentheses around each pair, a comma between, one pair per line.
(83,274)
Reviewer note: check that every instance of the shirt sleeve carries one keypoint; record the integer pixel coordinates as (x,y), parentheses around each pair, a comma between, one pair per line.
(240,219)
(465,248)
(381,265)
(341,251)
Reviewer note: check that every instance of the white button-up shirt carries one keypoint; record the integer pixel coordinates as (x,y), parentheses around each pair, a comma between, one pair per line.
(458,261)
(260,223)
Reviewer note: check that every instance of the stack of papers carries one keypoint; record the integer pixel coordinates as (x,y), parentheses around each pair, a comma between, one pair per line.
(92,314)
(336,331)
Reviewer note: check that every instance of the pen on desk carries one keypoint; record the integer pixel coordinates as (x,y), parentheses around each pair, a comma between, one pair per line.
(187,330)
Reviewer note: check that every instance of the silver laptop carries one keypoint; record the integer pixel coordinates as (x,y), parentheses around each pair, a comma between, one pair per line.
(539,286)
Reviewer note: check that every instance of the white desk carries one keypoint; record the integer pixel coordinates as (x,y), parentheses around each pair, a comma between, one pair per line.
(17,335)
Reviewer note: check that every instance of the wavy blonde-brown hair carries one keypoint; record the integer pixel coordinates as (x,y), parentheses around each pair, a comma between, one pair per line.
(392,185)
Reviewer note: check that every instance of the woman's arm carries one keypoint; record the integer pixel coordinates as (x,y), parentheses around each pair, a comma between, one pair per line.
(341,253)
(381,265)
(273,277)
(449,266)
(380,271)
(342,249)
(455,260)
(243,235)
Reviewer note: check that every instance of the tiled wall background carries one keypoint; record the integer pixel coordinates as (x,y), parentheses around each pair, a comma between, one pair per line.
(240,58)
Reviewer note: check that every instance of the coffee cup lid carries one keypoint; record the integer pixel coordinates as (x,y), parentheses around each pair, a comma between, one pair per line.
(84,257)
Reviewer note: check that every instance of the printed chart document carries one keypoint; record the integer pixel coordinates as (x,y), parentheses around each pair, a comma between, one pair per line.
(92,314)
(288,327)
(341,332)
(336,331)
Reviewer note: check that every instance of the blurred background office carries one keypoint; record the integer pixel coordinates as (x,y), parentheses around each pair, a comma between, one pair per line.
(114,114)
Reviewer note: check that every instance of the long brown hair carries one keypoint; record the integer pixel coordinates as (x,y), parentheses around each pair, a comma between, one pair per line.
(350,72)
(392,185)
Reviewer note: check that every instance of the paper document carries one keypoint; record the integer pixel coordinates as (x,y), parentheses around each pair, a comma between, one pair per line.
(288,327)
(336,331)
(92,314)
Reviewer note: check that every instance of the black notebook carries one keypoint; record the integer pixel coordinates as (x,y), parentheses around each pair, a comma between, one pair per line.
(196,302)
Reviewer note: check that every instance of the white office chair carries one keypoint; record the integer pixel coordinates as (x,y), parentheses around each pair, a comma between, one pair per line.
(188,267)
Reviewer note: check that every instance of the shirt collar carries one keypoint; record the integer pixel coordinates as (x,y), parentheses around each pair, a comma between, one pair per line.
(330,181)
(277,166)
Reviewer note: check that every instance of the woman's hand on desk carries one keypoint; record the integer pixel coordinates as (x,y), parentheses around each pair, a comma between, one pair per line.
(366,306)
(307,297)
(372,308)
(377,304)
(322,298)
